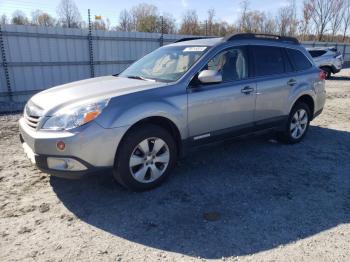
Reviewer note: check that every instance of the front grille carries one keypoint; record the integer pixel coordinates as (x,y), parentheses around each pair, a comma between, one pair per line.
(32,115)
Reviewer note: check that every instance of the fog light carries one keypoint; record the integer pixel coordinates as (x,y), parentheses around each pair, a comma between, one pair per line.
(65,164)
(61,145)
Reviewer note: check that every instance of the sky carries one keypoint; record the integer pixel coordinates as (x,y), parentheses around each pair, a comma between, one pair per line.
(226,10)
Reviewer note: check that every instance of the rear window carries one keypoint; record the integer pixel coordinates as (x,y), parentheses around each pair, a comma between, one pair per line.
(317,53)
(299,60)
(268,60)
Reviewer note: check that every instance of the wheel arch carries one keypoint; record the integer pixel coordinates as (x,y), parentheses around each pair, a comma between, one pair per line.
(161,121)
(309,101)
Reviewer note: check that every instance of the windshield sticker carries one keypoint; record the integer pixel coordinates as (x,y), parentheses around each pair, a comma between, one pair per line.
(195,49)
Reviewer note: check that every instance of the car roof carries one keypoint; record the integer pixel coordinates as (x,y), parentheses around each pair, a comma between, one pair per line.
(200,42)
(246,38)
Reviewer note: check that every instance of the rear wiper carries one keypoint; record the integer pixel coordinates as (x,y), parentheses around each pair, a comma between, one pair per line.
(141,78)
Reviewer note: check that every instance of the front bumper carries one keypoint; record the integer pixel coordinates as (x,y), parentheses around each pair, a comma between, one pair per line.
(91,147)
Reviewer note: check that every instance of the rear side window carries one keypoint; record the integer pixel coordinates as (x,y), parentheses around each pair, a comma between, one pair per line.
(299,60)
(287,63)
(317,53)
(268,60)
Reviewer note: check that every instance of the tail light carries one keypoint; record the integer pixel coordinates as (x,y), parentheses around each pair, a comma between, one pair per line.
(322,75)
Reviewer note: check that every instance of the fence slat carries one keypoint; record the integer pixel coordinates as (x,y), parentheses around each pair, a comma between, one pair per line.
(37,58)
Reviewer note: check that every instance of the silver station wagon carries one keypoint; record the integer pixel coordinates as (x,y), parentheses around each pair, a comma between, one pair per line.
(189,93)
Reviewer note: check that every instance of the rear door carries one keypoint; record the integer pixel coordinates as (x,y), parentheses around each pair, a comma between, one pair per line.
(306,75)
(275,77)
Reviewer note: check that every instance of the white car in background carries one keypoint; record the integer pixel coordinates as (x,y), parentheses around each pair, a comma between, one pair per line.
(329,59)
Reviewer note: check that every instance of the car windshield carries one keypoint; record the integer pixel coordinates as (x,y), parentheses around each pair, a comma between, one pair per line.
(166,64)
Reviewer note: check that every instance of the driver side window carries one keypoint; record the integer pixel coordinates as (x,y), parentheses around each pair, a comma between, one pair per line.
(232,63)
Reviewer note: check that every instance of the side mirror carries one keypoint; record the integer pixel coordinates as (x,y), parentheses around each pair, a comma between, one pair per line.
(210,77)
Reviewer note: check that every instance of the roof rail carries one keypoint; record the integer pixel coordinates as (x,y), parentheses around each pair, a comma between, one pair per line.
(193,38)
(270,37)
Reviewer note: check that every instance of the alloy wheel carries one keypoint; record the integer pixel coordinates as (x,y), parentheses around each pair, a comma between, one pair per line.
(149,160)
(299,123)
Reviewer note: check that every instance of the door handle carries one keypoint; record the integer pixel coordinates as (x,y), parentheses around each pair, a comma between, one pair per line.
(292,82)
(247,90)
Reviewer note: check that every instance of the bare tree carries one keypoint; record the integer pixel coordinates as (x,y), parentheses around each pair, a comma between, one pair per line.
(337,16)
(346,19)
(169,24)
(4,20)
(286,19)
(144,17)
(68,13)
(321,14)
(293,28)
(190,23)
(270,26)
(125,21)
(42,19)
(255,21)
(223,29)
(283,20)
(305,23)
(242,21)
(210,21)
(19,18)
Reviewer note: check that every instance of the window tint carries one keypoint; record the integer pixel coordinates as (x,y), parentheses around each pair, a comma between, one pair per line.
(231,63)
(317,53)
(287,63)
(299,60)
(268,60)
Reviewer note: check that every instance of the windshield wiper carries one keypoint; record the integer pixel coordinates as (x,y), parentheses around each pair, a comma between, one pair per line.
(141,78)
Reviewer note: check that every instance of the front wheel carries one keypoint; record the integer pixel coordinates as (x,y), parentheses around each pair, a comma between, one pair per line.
(297,124)
(145,158)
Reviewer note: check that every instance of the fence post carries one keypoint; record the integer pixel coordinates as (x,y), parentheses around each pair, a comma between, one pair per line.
(206,27)
(161,39)
(91,50)
(4,65)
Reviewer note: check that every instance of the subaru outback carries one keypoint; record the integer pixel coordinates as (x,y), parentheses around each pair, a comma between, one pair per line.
(189,93)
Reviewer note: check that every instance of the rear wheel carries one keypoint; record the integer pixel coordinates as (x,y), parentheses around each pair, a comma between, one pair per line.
(297,124)
(145,158)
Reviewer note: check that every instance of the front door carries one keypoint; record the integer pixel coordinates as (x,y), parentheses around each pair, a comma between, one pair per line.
(221,107)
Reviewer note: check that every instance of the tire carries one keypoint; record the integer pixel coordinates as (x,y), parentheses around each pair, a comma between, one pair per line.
(145,158)
(328,72)
(295,130)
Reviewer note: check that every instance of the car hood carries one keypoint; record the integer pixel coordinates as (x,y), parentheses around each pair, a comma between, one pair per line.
(89,90)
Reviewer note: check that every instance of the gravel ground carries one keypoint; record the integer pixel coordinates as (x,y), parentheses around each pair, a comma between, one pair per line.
(248,200)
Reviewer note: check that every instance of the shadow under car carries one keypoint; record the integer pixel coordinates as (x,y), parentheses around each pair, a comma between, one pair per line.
(265,194)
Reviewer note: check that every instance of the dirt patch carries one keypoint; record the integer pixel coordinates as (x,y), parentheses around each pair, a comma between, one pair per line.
(270,202)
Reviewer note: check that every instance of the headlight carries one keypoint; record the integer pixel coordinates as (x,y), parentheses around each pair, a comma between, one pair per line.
(68,118)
